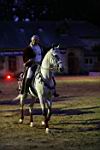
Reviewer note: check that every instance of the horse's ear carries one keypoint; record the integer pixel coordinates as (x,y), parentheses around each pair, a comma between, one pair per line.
(55,45)
(58,46)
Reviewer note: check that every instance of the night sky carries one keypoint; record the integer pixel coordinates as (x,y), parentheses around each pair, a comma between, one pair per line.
(50,10)
(78,10)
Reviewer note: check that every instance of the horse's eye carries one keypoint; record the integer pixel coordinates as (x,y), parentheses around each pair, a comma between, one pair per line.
(57,57)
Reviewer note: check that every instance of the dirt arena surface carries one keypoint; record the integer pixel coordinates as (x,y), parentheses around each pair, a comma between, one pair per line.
(8,88)
(75,122)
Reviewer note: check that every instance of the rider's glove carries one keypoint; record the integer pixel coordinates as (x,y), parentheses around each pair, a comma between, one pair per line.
(29,63)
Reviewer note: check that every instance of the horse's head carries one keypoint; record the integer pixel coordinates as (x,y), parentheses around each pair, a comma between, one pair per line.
(55,59)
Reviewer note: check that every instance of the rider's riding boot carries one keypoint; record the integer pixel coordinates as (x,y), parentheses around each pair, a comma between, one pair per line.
(27,85)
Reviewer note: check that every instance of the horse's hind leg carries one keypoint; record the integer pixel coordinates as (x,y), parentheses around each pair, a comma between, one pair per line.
(31,115)
(21,110)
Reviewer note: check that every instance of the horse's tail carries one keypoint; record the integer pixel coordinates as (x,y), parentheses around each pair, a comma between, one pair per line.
(17,97)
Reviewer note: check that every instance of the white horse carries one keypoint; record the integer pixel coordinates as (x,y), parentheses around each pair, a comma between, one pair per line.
(44,85)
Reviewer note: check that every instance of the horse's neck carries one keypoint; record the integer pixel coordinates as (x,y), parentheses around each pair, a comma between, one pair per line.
(45,68)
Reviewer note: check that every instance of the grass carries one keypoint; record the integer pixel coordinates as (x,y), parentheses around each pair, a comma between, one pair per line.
(75,122)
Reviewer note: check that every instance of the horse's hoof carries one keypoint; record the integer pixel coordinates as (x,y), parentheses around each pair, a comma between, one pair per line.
(20,121)
(43,123)
(47,131)
(31,124)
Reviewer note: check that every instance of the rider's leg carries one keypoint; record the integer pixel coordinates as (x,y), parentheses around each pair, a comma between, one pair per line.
(23,80)
(29,78)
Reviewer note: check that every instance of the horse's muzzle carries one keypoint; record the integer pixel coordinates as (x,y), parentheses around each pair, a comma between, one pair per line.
(61,69)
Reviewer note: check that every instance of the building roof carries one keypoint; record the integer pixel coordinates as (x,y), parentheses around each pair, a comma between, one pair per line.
(70,41)
(18,34)
(84,29)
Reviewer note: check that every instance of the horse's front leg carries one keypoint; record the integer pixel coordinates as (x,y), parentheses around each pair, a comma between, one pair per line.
(21,110)
(48,116)
(44,112)
(31,114)
(49,113)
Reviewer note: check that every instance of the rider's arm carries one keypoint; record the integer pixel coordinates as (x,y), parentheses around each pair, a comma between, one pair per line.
(28,56)
(29,62)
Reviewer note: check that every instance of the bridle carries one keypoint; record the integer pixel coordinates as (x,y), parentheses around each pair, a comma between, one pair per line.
(53,68)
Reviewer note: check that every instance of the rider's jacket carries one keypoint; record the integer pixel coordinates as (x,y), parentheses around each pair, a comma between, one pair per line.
(28,53)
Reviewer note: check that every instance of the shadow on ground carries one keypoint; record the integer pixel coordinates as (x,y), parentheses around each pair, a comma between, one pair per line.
(55,111)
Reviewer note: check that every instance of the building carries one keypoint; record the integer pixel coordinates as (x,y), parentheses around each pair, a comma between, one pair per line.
(79,44)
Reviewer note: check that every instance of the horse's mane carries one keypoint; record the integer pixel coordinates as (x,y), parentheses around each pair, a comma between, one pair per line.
(39,66)
(44,54)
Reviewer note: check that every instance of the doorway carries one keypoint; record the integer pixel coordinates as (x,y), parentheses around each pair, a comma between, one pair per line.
(73,64)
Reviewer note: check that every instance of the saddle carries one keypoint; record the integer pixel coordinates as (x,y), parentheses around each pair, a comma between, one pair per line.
(21,81)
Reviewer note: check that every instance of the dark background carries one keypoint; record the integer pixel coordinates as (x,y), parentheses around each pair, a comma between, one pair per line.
(50,10)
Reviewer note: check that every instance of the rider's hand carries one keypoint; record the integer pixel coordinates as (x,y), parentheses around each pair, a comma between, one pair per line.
(29,63)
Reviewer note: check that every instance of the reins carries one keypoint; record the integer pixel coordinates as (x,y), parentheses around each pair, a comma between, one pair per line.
(53,68)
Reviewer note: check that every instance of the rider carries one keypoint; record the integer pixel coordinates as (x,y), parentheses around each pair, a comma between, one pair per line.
(32,57)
